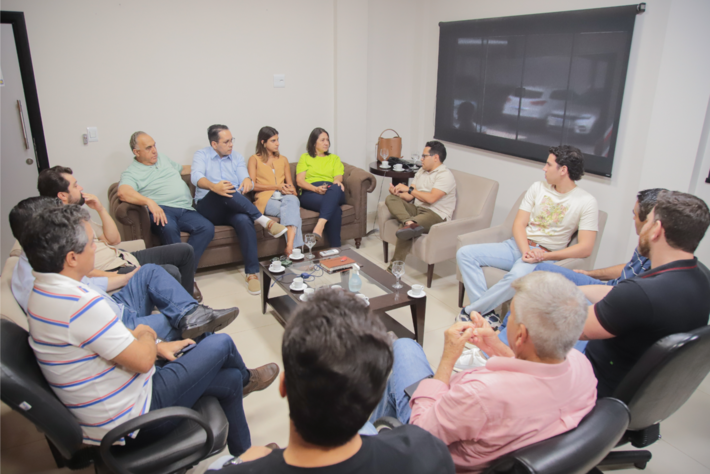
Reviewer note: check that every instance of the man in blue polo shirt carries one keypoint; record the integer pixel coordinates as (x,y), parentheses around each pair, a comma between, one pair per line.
(222,179)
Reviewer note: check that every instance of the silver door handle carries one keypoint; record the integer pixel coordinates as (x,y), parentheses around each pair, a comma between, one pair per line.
(22,121)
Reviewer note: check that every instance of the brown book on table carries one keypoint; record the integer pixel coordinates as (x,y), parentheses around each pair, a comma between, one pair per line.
(337,263)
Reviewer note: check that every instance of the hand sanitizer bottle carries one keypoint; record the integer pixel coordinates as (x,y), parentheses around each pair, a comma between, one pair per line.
(355,281)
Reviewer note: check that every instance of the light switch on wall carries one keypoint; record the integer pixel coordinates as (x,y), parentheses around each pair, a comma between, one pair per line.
(92,134)
(279,80)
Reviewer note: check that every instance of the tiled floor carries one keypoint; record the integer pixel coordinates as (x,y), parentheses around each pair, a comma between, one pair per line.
(686,435)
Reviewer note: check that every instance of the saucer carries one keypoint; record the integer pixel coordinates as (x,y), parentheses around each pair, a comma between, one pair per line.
(385,167)
(292,257)
(412,295)
(298,289)
(283,269)
(398,171)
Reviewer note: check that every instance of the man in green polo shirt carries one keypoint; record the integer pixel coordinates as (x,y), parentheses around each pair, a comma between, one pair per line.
(154,180)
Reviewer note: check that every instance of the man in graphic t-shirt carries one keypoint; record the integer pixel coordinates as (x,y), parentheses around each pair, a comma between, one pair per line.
(670,298)
(551,212)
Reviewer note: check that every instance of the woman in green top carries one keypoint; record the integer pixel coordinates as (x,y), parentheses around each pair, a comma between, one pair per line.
(320,176)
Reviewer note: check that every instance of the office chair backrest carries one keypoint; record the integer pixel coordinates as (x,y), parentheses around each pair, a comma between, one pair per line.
(665,377)
(24,389)
(576,452)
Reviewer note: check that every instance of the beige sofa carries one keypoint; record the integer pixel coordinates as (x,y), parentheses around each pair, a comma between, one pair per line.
(133,221)
(504,231)
(475,201)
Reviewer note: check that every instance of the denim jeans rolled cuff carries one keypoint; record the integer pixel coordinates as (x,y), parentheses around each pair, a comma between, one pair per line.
(410,366)
(180,220)
(328,207)
(288,210)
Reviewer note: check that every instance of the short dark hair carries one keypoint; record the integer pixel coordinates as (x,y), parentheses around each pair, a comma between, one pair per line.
(213,132)
(24,210)
(50,182)
(437,148)
(572,158)
(264,135)
(51,234)
(313,138)
(337,357)
(647,201)
(684,218)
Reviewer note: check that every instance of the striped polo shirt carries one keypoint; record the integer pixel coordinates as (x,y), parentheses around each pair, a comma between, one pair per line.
(74,335)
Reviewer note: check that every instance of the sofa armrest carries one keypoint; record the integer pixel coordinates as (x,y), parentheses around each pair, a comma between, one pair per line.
(574,263)
(358,183)
(443,239)
(133,221)
(491,235)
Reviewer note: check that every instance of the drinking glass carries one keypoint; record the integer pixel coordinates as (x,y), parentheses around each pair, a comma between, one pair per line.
(310,240)
(384,154)
(415,158)
(397,271)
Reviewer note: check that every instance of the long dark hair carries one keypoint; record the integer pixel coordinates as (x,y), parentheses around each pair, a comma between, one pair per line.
(313,138)
(264,135)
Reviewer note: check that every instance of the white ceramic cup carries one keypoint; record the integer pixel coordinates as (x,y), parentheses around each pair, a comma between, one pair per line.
(296,253)
(276,266)
(298,283)
(417,289)
(363,297)
(308,292)
(277,195)
(338,287)
(385,164)
(398,167)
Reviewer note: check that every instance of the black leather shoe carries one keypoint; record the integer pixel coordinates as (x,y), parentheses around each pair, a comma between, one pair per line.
(260,378)
(197,294)
(205,319)
(409,232)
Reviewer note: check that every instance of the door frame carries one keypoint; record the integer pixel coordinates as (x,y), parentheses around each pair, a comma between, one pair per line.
(22,43)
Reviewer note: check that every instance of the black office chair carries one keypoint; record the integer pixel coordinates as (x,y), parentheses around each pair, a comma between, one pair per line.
(577,451)
(658,385)
(23,388)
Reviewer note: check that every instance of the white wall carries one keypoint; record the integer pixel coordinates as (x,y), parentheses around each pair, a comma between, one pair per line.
(172,68)
(665,100)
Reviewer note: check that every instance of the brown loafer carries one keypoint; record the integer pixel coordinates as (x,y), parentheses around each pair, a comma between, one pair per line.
(197,294)
(260,378)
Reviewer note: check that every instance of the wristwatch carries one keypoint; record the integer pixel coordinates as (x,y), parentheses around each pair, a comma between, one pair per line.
(411,188)
(233,461)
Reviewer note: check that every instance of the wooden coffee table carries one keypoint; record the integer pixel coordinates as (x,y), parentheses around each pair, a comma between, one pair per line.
(376,285)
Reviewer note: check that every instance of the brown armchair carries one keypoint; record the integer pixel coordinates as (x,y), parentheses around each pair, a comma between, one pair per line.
(133,221)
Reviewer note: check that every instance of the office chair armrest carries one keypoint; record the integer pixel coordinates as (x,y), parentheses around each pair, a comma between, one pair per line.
(144,420)
(387,423)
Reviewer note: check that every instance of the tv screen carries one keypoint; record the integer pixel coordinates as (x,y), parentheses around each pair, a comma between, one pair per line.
(518,85)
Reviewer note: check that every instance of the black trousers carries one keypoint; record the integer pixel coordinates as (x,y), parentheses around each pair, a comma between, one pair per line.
(177,259)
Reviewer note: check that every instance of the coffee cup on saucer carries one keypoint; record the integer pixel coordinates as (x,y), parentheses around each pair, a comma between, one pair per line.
(298,283)
(296,253)
(336,287)
(277,195)
(364,298)
(385,164)
(417,290)
(308,292)
(276,266)
(398,167)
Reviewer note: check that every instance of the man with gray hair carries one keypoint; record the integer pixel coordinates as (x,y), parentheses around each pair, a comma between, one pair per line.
(154,180)
(532,389)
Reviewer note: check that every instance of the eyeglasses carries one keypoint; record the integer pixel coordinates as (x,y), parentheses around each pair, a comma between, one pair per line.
(229,141)
(425,154)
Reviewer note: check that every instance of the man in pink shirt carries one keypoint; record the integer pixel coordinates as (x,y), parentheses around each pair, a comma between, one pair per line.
(533,389)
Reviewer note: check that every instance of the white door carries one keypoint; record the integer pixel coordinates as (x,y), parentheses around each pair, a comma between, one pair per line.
(18,164)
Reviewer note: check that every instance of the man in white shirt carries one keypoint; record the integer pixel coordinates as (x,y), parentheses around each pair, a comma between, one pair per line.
(551,212)
(430,199)
(103,372)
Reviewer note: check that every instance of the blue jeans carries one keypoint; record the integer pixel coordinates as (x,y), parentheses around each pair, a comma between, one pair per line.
(240,213)
(184,220)
(576,278)
(328,205)
(410,366)
(153,286)
(288,210)
(213,368)
(504,255)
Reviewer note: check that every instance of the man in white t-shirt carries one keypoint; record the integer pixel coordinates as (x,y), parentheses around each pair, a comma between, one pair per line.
(104,373)
(551,212)
(430,199)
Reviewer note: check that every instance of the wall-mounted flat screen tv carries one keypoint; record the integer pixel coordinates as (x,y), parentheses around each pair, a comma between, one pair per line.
(518,85)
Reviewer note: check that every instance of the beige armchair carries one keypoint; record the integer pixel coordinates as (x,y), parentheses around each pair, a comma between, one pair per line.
(503,232)
(475,201)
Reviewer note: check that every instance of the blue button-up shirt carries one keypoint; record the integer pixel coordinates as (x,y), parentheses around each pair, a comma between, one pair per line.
(636,266)
(207,164)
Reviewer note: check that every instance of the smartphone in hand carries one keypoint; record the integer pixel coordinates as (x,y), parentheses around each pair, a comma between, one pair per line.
(185,349)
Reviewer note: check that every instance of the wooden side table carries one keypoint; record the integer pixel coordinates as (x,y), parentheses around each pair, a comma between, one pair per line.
(397,176)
